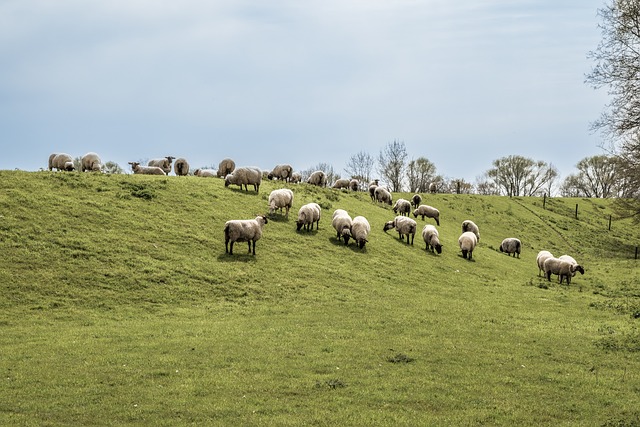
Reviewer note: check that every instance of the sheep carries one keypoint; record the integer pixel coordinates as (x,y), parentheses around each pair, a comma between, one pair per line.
(205,173)
(541,258)
(404,226)
(339,212)
(280,198)
(354,185)
(163,163)
(360,230)
(244,176)
(243,230)
(578,267)
(318,178)
(146,170)
(307,215)
(431,238)
(511,245)
(63,161)
(225,167)
(91,162)
(181,167)
(51,157)
(372,190)
(402,207)
(342,224)
(433,188)
(427,211)
(563,268)
(296,177)
(467,242)
(416,200)
(468,225)
(281,172)
(341,183)
(381,194)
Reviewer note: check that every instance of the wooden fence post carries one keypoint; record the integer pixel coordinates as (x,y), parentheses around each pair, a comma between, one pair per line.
(576,211)
(609,222)
(544,202)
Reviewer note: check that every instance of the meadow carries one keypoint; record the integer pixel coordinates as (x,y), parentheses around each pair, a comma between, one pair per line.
(119,306)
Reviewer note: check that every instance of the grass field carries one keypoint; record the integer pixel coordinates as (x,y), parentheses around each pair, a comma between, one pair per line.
(119,306)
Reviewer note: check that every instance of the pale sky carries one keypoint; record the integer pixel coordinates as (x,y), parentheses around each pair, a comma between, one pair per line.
(462,82)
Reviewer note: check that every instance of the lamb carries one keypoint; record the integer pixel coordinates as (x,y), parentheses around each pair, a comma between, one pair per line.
(353,185)
(578,267)
(63,161)
(296,177)
(283,172)
(427,211)
(225,167)
(146,170)
(416,200)
(243,230)
(563,268)
(181,167)
(91,162)
(404,226)
(163,163)
(342,223)
(307,215)
(468,225)
(467,242)
(318,178)
(541,258)
(402,206)
(281,198)
(244,176)
(372,190)
(205,173)
(511,245)
(341,183)
(381,194)
(360,230)
(431,238)
(433,188)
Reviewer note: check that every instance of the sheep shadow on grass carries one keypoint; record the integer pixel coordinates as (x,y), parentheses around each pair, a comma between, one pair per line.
(241,256)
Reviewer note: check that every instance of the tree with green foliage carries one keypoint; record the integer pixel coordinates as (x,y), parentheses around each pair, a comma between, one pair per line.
(392,164)
(360,166)
(520,176)
(420,173)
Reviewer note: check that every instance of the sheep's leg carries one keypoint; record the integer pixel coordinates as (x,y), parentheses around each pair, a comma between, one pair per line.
(231,248)
(249,244)
(254,247)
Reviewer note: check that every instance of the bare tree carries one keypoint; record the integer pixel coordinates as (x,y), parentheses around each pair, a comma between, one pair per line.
(360,166)
(112,167)
(420,173)
(392,163)
(520,176)
(596,177)
(486,186)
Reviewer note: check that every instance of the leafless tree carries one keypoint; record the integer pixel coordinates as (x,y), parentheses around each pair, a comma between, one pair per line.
(360,166)
(520,176)
(392,163)
(596,177)
(420,173)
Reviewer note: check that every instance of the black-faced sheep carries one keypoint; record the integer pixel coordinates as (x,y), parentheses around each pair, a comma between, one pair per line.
(541,258)
(467,242)
(63,162)
(468,225)
(431,238)
(563,268)
(511,245)
(146,170)
(427,211)
(354,185)
(578,267)
(433,188)
(244,176)
(282,172)
(225,167)
(360,230)
(372,191)
(51,157)
(181,167)
(342,224)
(243,230)
(383,195)
(404,226)
(279,199)
(402,207)
(296,177)
(91,162)
(318,178)
(307,215)
(416,200)
(163,163)
(205,173)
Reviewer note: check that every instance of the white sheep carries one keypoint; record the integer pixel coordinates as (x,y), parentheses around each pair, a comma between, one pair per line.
(433,188)
(181,167)
(339,212)
(307,215)
(279,199)
(383,195)
(416,200)
(225,167)
(402,207)
(341,183)
(541,258)
(205,173)
(468,225)
(244,176)
(63,162)
(578,267)
(404,226)
(318,178)
(163,163)
(467,242)
(51,157)
(354,185)
(296,177)
(243,230)
(342,224)
(427,211)
(511,245)
(91,162)
(372,191)
(563,268)
(283,172)
(431,238)
(360,230)
(146,170)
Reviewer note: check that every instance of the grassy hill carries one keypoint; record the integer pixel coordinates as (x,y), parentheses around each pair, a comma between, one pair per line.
(119,306)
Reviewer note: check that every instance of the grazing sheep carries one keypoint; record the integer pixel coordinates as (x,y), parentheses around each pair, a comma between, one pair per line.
(383,195)
(354,185)
(244,176)
(51,157)
(164,163)
(467,242)
(404,226)
(205,173)
(307,215)
(372,190)
(578,267)
(63,162)
(541,258)
(318,178)
(431,238)
(281,198)
(181,167)
(415,201)
(563,268)
(146,170)
(342,223)
(468,225)
(433,188)
(402,207)
(511,245)
(283,172)
(339,212)
(225,167)
(427,211)
(341,183)
(243,230)
(296,177)
(360,230)
(91,162)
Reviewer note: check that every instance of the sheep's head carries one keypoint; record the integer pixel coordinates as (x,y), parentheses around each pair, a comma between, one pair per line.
(362,242)
(438,247)
(577,267)
(389,225)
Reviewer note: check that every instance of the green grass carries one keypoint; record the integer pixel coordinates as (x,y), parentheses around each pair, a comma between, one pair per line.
(119,306)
